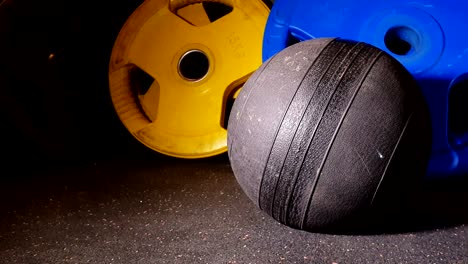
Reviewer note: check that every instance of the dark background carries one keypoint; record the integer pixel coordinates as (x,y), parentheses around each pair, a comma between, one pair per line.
(58,109)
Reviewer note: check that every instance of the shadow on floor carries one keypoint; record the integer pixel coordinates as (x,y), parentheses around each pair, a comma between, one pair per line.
(432,204)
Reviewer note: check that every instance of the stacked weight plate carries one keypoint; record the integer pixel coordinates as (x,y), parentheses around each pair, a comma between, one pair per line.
(427,37)
(176,67)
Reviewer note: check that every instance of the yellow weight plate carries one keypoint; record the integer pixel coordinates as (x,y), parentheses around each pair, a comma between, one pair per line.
(191,62)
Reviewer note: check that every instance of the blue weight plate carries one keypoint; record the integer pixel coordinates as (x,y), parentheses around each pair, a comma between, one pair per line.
(428,37)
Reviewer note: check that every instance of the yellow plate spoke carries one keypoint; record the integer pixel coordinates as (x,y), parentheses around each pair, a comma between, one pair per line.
(155,43)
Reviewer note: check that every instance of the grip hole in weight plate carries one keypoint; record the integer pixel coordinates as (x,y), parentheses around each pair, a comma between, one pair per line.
(140,80)
(401,40)
(458,111)
(140,83)
(204,13)
(216,11)
(291,39)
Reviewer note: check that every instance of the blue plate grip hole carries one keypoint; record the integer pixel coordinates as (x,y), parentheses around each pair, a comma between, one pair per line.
(458,112)
(401,40)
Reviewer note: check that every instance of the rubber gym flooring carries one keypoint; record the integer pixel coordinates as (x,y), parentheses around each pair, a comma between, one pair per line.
(163,210)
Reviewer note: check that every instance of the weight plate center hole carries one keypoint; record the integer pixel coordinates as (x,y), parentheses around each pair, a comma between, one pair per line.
(402,40)
(193,65)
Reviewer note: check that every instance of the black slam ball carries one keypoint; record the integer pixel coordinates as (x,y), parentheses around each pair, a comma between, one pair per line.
(319,129)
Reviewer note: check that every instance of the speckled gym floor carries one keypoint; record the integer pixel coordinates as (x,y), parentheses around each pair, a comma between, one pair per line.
(175,211)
